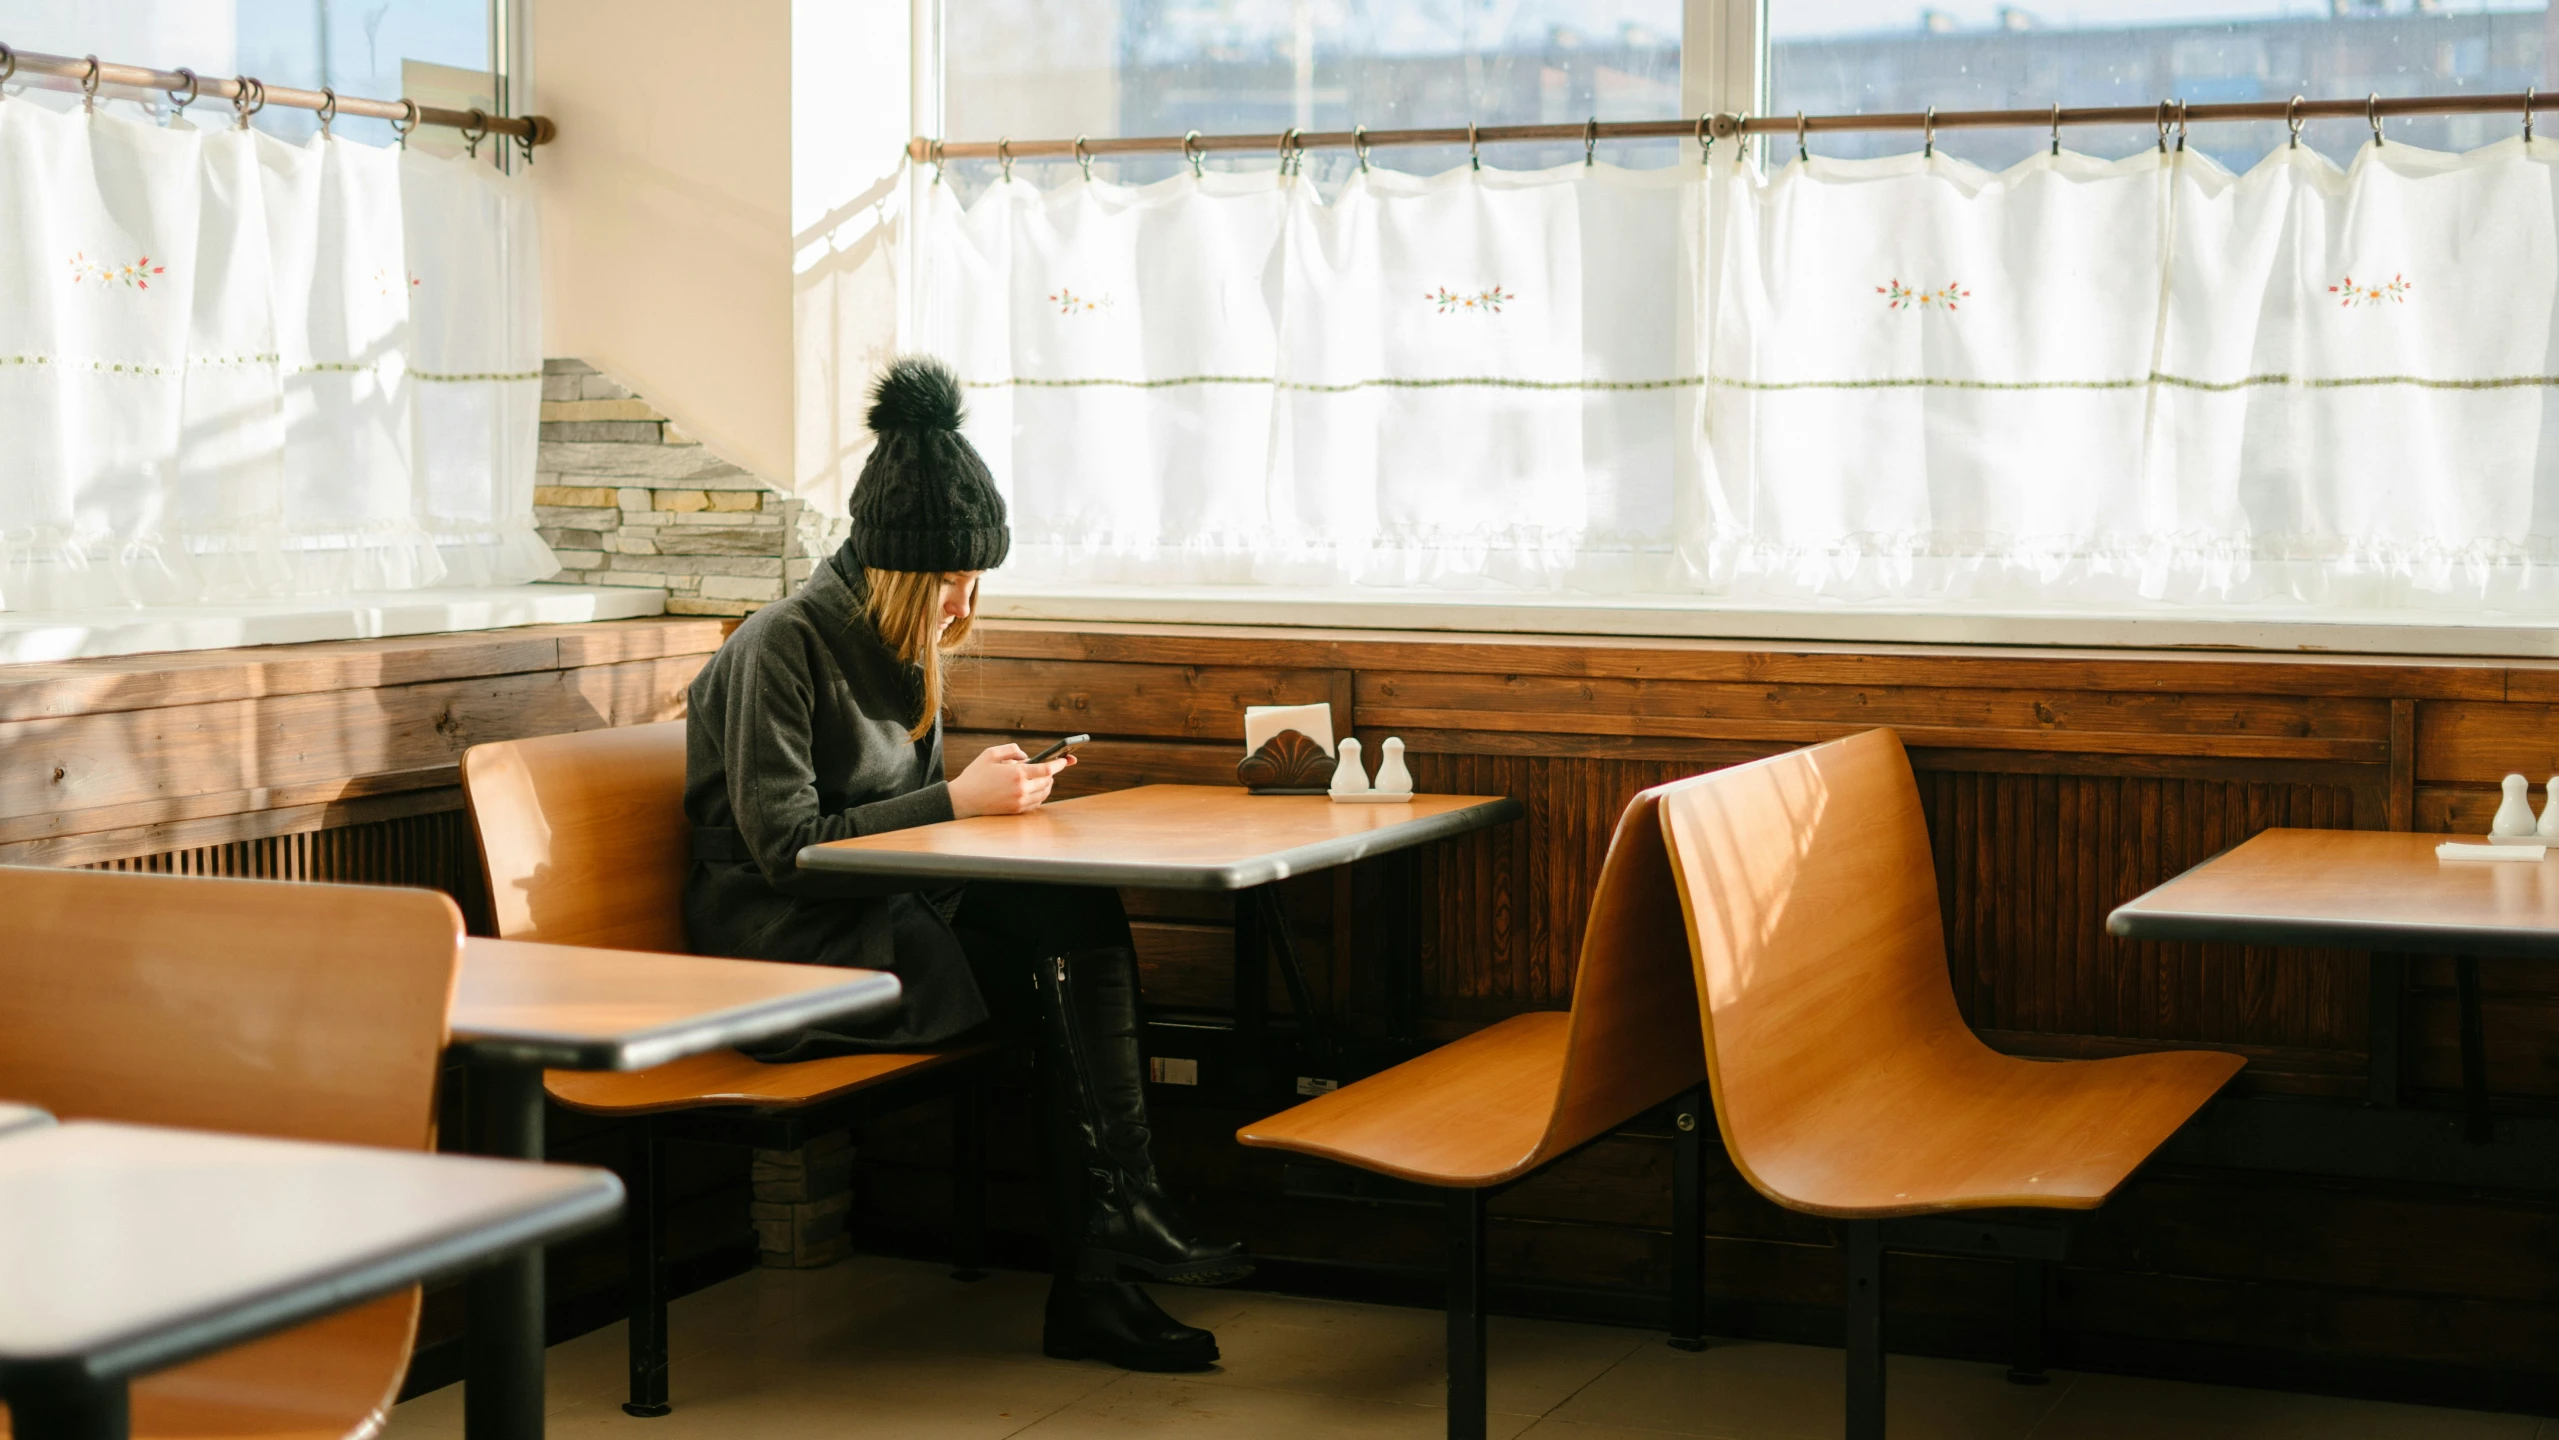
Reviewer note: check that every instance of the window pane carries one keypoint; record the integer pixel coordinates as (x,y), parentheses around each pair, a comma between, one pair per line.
(1050,68)
(1828,56)
(435,51)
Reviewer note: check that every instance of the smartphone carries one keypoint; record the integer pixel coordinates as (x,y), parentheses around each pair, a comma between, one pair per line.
(1060,748)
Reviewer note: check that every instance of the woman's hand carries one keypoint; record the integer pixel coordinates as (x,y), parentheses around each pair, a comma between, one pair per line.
(1003,781)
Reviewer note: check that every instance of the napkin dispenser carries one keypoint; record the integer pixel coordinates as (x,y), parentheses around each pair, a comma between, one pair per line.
(1288,749)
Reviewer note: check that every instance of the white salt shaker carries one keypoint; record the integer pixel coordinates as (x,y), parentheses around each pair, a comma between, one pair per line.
(2514,813)
(1348,777)
(2549,826)
(1394,779)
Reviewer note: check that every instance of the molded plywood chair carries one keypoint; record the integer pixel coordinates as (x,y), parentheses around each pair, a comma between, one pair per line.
(586,843)
(1478,1114)
(1844,1079)
(309,1012)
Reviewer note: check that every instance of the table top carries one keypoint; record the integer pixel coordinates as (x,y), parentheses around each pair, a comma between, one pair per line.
(2355,890)
(573,1007)
(21,1117)
(1161,837)
(128,1248)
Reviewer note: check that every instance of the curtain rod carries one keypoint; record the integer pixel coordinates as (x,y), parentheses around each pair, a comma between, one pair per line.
(2167,115)
(91,73)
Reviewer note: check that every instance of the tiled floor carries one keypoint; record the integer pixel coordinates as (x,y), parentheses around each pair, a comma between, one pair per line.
(876,1347)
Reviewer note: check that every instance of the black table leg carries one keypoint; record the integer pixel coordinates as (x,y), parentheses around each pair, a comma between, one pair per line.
(2388,982)
(1688,1223)
(1466,1378)
(1248,1057)
(64,1403)
(503,1301)
(2474,1053)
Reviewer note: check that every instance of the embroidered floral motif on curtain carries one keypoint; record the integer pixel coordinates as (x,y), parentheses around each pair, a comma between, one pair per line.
(236,367)
(2187,385)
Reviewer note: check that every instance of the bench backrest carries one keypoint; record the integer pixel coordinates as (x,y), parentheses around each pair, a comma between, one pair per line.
(263,1007)
(1633,1041)
(1811,906)
(584,835)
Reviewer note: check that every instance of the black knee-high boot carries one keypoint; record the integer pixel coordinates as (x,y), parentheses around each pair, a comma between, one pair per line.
(1128,1223)
(1095,1319)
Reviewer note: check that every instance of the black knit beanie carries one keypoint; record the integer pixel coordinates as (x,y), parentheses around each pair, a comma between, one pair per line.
(925,500)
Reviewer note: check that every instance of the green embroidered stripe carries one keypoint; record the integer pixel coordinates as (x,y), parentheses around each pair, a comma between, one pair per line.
(1486,382)
(1690,382)
(208,362)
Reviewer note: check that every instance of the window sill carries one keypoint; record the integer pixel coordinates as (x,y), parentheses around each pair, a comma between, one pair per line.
(39,635)
(2293,630)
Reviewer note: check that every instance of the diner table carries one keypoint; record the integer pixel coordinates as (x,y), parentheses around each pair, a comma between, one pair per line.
(522,1007)
(2377,890)
(126,1249)
(1185,837)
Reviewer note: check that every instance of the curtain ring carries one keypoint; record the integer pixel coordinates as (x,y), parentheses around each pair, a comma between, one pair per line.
(2163,126)
(1193,155)
(1800,152)
(1928,134)
(935,154)
(1084,158)
(1004,157)
(400,128)
(2292,121)
(328,109)
(2181,127)
(2056,127)
(1289,149)
(248,97)
(183,101)
(2372,116)
(2527,114)
(524,142)
(1474,156)
(1705,139)
(8,64)
(474,133)
(1590,142)
(89,88)
(1359,145)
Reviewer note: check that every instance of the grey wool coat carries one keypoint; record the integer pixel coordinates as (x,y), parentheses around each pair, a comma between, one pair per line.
(797,734)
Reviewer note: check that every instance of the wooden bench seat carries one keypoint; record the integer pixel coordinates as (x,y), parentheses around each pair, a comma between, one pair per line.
(1845,1080)
(586,843)
(1472,1113)
(725,1077)
(1487,1110)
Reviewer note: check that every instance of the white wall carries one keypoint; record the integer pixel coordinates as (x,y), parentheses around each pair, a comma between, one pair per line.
(666,210)
(851,91)
(720,215)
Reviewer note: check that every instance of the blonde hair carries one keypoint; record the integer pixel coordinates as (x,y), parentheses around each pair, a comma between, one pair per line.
(905,607)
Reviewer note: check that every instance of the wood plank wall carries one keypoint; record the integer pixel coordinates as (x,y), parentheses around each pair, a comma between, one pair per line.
(2056,784)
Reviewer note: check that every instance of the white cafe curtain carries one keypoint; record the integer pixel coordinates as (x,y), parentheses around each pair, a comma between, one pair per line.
(1460,380)
(2077,382)
(235,367)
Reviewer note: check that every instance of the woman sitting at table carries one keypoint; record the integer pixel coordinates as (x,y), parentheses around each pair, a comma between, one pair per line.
(820,719)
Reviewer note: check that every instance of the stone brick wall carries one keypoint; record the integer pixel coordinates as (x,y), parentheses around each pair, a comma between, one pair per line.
(625,498)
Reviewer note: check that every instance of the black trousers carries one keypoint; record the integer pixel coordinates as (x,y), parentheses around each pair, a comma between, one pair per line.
(1006,926)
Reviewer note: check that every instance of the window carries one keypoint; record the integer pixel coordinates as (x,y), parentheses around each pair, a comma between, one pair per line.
(1164,67)
(433,51)
(1831,56)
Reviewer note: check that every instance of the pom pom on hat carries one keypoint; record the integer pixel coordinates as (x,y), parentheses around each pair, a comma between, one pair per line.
(917,393)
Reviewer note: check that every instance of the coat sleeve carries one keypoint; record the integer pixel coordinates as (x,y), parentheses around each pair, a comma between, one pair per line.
(765,728)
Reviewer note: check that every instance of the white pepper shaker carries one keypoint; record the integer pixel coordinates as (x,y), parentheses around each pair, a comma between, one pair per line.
(2514,813)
